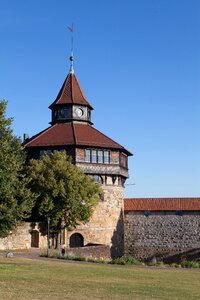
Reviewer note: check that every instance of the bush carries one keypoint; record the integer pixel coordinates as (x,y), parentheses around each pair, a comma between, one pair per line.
(161,264)
(79,258)
(190,264)
(124,260)
(49,256)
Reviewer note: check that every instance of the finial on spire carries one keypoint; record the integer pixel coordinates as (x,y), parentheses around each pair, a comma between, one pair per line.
(71,29)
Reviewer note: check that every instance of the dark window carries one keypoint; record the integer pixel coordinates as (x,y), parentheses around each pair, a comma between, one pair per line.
(97,178)
(76,240)
(89,115)
(147,213)
(55,114)
(179,213)
(114,179)
(42,152)
(61,113)
(123,181)
(97,156)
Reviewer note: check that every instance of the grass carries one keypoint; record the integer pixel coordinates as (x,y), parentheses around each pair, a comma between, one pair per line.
(43,279)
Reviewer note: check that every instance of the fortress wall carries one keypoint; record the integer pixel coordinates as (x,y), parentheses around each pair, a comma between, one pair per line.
(164,235)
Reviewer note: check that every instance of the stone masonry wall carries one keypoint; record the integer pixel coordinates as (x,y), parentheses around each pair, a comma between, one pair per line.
(163,235)
(97,252)
(106,223)
(21,238)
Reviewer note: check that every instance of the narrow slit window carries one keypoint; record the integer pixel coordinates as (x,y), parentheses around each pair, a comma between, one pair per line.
(100,156)
(106,157)
(87,155)
(94,156)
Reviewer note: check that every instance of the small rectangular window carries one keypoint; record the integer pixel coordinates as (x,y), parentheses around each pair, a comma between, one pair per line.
(41,154)
(94,156)
(87,155)
(100,156)
(106,157)
(123,160)
(48,152)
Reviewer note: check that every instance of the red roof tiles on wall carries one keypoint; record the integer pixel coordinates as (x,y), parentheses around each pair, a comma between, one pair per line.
(71,93)
(161,204)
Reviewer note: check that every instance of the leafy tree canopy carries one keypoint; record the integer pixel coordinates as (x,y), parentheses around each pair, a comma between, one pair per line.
(65,194)
(16,200)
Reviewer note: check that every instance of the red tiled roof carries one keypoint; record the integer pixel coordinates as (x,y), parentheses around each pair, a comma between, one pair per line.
(65,134)
(71,93)
(164,204)
(56,135)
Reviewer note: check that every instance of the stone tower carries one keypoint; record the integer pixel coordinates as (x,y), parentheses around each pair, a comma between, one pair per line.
(98,155)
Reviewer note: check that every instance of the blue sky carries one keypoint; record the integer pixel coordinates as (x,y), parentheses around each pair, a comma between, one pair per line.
(138,63)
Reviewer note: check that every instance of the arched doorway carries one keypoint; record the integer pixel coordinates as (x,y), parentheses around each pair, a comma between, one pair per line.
(76,240)
(35,239)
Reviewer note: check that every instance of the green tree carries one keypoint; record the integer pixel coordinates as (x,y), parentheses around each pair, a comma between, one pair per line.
(64,193)
(16,200)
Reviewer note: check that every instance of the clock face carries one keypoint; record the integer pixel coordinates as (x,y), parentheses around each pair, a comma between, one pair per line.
(79,112)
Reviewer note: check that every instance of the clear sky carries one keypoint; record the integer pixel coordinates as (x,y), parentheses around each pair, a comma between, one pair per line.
(138,63)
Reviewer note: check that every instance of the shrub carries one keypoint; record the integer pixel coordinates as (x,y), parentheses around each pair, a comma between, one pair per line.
(175,265)
(161,264)
(124,260)
(72,257)
(190,264)
(79,258)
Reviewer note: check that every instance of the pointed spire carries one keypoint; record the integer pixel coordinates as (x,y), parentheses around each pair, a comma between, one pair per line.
(71,93)
(71,29)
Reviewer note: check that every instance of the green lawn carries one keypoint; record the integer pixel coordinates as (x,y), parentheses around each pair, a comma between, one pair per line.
(39,279)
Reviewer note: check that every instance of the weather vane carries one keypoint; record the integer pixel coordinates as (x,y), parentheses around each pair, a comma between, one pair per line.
(71,29)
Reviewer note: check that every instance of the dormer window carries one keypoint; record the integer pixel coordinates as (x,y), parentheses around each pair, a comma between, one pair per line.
(97,156)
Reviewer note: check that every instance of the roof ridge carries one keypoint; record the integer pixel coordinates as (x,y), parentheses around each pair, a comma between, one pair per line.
(80,88)
(65,82)
(71,87)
